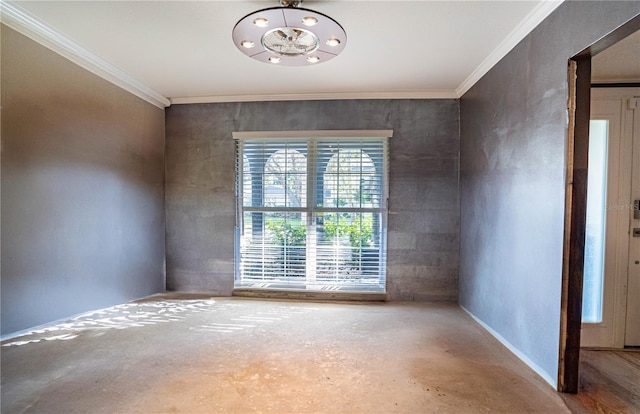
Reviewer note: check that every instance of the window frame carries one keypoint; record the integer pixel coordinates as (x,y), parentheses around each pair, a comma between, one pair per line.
(311,209)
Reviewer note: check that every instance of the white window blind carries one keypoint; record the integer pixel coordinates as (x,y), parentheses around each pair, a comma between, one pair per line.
(312,212)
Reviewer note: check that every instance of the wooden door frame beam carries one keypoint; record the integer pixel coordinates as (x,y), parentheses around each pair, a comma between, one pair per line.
(579,108)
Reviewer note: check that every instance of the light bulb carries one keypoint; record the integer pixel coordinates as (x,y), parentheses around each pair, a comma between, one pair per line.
(333,42)
(309,21)
(261,22)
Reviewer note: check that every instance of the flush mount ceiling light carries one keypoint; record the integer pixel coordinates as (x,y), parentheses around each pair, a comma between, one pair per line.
(289,35)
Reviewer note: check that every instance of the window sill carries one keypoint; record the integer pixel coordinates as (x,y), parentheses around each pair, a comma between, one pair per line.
(310,294)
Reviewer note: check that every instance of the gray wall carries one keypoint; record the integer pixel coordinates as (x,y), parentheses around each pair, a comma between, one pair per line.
(82,189)
(423,224)
(513,138)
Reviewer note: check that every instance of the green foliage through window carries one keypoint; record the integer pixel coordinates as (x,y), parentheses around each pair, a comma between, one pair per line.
(286,232)
(359,229)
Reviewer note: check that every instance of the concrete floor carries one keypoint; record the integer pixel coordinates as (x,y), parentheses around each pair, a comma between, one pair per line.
(235,355)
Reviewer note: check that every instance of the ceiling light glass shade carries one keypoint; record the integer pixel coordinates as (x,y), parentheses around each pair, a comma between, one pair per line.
(289,41)
(287,37)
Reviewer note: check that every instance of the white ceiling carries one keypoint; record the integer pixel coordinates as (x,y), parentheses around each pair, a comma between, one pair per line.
(619,63)
(183,49)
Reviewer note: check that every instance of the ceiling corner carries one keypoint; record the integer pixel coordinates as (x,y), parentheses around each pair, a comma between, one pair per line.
(530,22)
(26,24)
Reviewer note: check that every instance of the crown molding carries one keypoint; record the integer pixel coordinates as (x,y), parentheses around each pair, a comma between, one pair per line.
(21,21)
(315,97)
(530,22)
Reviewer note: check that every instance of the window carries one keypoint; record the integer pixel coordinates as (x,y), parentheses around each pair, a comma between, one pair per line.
(594,247)
(312,210)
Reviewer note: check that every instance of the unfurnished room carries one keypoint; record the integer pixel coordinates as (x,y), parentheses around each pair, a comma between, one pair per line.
(287,206)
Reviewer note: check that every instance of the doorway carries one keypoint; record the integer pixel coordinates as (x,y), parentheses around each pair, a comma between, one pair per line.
(610,300)
(580,84)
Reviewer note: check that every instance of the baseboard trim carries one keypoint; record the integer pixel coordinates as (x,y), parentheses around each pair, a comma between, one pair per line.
(538,370)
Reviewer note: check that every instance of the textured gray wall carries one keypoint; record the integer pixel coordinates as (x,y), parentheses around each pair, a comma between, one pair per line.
(513,144)
(423,224)
(82,189)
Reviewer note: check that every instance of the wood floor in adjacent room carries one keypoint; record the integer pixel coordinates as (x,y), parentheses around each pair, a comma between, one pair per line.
(230,355)
(609,382)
